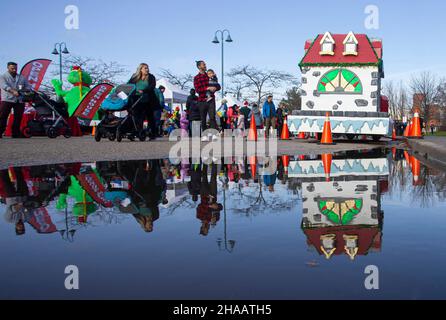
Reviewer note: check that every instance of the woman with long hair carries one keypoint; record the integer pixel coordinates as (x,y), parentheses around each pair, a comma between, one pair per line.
(145,86)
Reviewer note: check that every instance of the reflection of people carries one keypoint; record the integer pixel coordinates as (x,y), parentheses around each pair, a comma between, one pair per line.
(15,197)
(270,181)
(147,192)
(208,211)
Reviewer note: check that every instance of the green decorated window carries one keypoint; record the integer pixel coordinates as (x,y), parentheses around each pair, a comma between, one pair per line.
(340,81)
(340,211)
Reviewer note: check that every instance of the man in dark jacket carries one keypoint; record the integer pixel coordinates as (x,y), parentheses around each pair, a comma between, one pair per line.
(246,111)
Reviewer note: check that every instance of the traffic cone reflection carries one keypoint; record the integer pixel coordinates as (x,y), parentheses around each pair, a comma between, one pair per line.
(286,163)
(394,153)
(416,171)
(285,134)
(327,138)
(253,164)
(252,134)
(326,161)
(408,159)
(394,134)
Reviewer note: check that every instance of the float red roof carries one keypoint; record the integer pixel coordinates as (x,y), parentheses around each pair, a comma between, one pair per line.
(367,52)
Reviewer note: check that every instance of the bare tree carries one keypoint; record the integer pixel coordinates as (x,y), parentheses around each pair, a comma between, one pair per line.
(238,86)
(262,81)
(441,101)
(426,85)
(99,70)
(398,99)
(184,81)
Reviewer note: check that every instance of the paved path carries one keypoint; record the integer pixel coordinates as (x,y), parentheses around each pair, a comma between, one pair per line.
(40,150)
(433,148)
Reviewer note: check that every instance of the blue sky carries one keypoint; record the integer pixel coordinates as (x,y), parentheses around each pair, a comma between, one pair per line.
(173,34)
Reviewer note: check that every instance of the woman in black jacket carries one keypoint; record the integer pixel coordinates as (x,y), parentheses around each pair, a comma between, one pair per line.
(145,86)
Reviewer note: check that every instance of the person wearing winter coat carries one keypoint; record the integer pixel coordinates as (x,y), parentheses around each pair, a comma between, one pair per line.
(269,114)
(257,116)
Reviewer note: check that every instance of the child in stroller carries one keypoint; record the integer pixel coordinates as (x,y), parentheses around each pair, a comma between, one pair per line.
(50,116)
(122,98)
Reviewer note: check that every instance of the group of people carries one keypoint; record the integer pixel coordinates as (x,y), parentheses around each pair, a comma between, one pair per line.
(151,107)
(25,198)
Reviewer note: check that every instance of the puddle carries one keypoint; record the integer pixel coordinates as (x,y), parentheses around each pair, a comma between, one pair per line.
(154,230)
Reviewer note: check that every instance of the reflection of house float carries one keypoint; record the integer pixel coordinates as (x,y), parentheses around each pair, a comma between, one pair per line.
(342,73)
(343,215)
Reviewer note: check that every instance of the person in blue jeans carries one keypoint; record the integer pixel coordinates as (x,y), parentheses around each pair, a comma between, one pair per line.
(269,114)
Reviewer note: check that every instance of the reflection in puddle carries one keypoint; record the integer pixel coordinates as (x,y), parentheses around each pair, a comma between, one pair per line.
(338,200)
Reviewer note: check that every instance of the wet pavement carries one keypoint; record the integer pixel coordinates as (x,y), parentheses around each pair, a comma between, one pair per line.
(299,227)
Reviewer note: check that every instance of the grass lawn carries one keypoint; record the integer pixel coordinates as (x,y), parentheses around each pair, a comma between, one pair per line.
(439,134)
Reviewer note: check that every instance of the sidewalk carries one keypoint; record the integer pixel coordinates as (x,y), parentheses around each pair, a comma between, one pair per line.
(434,148)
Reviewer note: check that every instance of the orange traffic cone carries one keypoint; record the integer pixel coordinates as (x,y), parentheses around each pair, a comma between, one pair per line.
(326,160)
(252,134)
(394,134)
(285,135)
(253,164)
(394,153)
(416,127)
(93,131)
(326,134)
(410,129)
(416,171)
(301,135)
(301,157)
(407,130)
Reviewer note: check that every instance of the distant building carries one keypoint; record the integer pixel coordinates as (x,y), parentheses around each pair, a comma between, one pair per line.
(436,113)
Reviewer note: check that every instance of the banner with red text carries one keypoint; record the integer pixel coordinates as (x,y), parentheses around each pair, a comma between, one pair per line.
(34,71)
(94,187)
(92,101)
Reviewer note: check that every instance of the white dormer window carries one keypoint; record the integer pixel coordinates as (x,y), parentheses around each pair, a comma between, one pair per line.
(350,45)
(327,45)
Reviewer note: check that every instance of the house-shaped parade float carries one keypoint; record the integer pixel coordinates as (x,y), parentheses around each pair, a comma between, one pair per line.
(341,203)
(341,74)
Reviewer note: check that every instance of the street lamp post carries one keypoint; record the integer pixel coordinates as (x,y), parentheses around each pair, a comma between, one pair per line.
(60,52)
(216,41)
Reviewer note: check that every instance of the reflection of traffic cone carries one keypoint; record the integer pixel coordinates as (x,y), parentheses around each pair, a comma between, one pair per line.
(252,134)
(394,153)
(301,157)
(364,137)
(327,139)
(416,127)
(407,157)
(301,135)
(407,130)
(416,170)
(394,134)
(253,165)
(285,135)
(326,160)
(286,163)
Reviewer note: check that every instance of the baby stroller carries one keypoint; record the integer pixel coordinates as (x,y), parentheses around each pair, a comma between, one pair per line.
(113,127)
(50,116)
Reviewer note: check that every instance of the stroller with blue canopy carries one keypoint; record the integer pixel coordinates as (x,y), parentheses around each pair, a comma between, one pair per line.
(113,127)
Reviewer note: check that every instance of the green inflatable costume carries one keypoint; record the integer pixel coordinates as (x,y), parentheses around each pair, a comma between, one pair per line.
(81,82)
